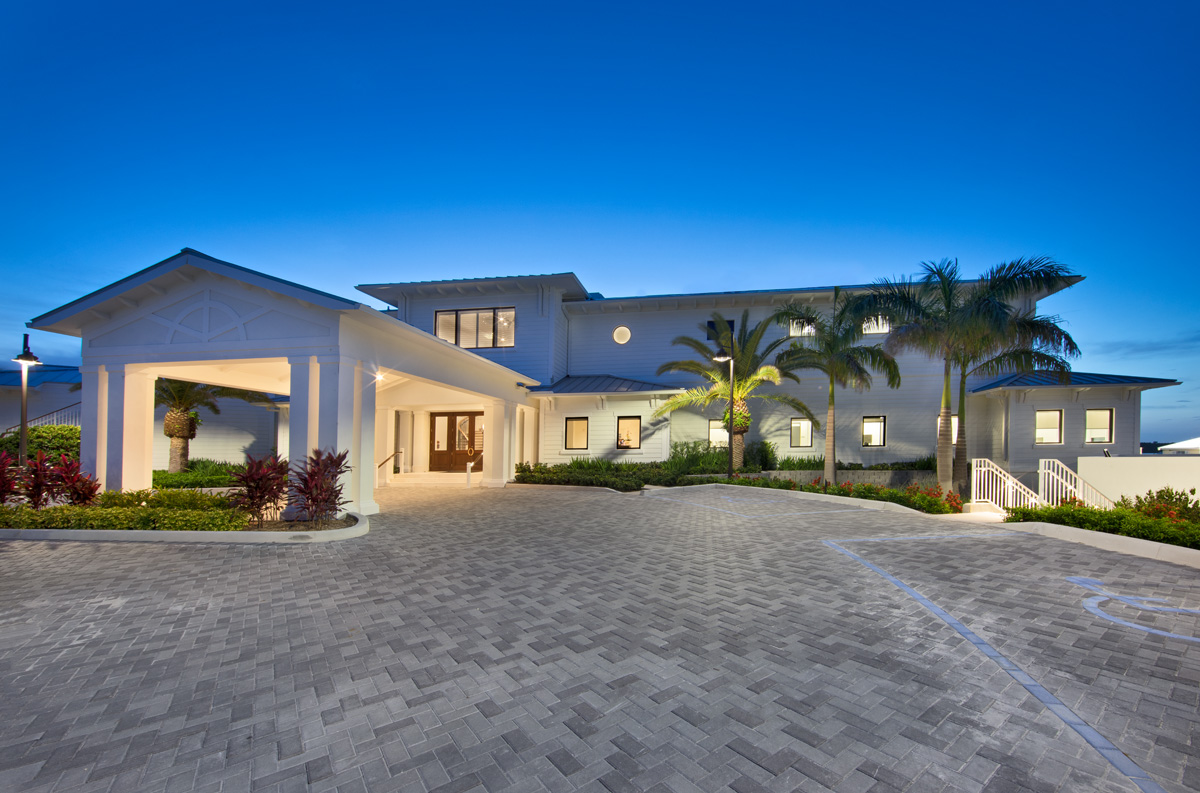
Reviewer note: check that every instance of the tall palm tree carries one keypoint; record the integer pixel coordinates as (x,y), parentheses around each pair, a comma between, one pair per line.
(833,348)
(1030,342)
(182,400)
(750,372)
(940,312)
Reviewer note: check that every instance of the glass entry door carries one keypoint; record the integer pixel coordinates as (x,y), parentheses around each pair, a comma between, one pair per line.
(455,439)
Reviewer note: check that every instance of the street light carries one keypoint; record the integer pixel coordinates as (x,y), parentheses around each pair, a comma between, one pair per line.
(723,359)
(26,359)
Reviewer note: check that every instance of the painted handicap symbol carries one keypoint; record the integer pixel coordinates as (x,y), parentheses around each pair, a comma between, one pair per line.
(1092,604)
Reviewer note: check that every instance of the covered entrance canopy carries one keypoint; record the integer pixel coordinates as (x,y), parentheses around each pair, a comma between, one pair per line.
(352,374)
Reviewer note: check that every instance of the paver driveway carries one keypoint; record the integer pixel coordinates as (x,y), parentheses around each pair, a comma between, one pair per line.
(538,639)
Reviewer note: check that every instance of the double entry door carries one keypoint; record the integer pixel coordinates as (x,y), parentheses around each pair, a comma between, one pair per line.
(455,439)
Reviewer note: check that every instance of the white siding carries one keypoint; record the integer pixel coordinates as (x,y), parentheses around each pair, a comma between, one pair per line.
(1024,453)
(44,399)
(602,429)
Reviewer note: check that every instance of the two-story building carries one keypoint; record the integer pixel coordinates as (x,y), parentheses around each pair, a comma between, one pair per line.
(483,373)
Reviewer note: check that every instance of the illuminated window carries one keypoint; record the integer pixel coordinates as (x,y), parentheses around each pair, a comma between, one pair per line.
(1047,426)
(576,434)
(476,328)
(621,334)
(798,328)
(1099,427)
(953,427)
(629,432)
(876,325)
(873,430)
(801,432)
(718,435)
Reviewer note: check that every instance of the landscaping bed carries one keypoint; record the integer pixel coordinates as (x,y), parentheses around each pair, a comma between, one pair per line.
(1166,516)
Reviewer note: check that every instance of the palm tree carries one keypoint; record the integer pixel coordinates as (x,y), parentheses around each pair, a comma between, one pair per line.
(1030,342)
(940,313)
(750,372)
(833,348)
(182,400)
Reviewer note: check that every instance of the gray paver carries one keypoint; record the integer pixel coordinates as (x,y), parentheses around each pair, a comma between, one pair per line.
(547,640)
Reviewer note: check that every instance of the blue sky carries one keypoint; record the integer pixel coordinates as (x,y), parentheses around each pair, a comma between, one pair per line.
(647,147)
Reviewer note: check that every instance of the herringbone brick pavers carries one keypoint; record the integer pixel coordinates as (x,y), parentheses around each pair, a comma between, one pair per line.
(558,640)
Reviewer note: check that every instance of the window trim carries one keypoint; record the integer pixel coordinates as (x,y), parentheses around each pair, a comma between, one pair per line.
(1112,421)
(883,432)
(639,432)
(1061,427)
(567,433)
(458,312)
(791,429)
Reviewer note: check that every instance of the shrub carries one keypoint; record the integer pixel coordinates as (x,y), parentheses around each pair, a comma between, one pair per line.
(264,483)
(317,486)
(38,482)
(53,440)
(163,499)
(816,463)
(10,478)
(77,487)
(761,455)
(1120,520)
(122,518)
(541,474)
(1174,505)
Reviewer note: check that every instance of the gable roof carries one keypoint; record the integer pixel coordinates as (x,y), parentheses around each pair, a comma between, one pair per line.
(67,318)
(602,384)
(1042,379)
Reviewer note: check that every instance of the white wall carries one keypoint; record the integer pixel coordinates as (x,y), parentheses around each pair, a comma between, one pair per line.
(1024,454)
(1133,476)
(241,429)
(602,429)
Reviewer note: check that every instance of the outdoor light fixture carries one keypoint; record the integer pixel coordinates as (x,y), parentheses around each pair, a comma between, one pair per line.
(723,359)
(26,359)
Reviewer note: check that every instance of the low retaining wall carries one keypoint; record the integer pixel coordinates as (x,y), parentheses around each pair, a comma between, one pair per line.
(895,479)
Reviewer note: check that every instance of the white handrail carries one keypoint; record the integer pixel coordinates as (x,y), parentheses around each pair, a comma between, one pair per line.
(991,483)
(1057,483)
(71,415)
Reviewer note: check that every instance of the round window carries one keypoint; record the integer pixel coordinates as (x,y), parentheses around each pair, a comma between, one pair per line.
(621,334)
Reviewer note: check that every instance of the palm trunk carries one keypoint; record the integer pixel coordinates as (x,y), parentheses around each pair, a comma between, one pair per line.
(945,448)
(739,449)
(960,444)
(830,442)
(178,460)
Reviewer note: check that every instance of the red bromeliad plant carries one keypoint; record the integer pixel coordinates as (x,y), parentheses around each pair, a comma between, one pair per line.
(316,484)
(264,483)
(38,481)
(10,478)
(75,485)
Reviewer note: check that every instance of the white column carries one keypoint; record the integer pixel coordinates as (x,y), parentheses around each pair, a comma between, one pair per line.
(283,431)
(498,446)
(420,440)
(302,408)
(364,436)
(530,445)
(93,431)
(129,428)
(384,445)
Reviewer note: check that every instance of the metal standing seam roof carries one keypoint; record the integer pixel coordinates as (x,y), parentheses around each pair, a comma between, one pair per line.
(601,384)
(40,375)
(1073,380)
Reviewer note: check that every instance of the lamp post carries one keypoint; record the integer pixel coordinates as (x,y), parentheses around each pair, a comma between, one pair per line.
(26,359)
(723,359)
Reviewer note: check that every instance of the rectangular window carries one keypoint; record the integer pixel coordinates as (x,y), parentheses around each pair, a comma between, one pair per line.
(576,436)
(797,328)
(1099,426)
(629,432)
(953,427)
(876,325)
(718,435)
(1047,426)
(714,334)
(873,430)
(476,328)
(801,432)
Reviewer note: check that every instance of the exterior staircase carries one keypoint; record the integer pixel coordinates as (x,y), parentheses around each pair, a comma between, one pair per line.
(995,489)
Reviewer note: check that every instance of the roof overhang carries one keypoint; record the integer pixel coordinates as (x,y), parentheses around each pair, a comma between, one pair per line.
(395,294)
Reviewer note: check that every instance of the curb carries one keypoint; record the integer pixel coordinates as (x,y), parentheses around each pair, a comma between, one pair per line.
(1131,546)
(227,537)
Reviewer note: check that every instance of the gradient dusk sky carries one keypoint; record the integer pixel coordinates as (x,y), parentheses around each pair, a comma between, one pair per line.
(648,147)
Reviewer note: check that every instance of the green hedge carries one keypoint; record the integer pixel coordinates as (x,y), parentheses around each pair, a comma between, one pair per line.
(122,518)
(53,439)
(924,500)
(184,479)
(1125,522)
(539,474)
(166,499)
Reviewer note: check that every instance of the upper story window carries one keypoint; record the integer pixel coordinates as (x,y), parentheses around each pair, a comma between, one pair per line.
(477,327)
(1099,426)
(876,325)
(798,328)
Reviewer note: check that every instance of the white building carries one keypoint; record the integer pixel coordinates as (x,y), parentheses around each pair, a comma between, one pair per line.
(493,371)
